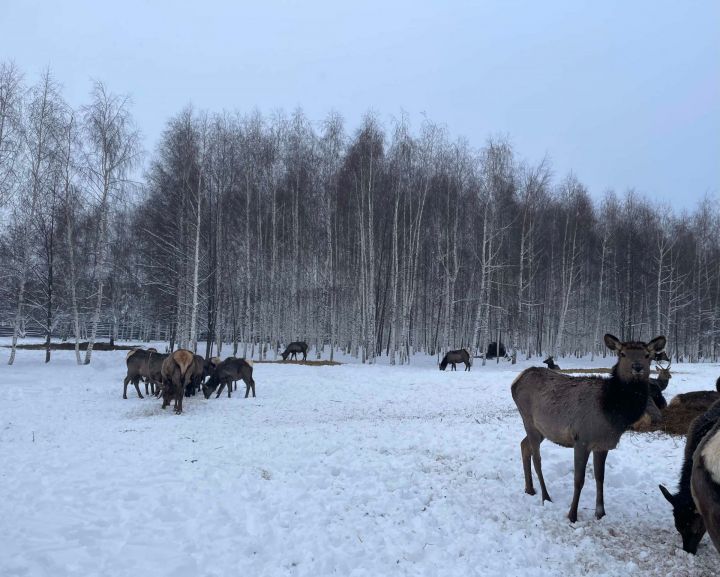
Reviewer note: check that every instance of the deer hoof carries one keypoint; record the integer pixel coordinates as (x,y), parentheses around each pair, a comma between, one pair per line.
(572,515)
(599,513)
(530,491)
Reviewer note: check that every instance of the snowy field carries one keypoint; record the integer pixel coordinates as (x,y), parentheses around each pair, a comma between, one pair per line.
(346,470)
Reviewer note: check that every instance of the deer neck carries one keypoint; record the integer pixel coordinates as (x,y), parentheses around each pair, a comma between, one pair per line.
(624,401)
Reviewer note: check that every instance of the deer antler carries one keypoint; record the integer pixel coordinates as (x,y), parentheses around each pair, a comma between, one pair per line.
(658,365)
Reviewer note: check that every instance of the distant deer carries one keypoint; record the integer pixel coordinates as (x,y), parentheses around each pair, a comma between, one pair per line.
(656,401)
(550,362)
(589,414)
(697,400)
(453,357)
(688,520)
(659,384)
(293,349)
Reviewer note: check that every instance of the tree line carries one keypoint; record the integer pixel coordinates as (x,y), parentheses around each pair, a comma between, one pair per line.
(248,231)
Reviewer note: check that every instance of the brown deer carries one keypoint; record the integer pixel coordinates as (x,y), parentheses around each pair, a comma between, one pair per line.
(688,521)
(226,373)
(589,414)
(293,349)
(550,362)
(137,361)
(177,372)
(705,482)
(454,357)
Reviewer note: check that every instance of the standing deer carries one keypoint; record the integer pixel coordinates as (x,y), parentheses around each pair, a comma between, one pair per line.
(589,414)
(688,520)
(138,367)
(177,372)
(453,357)
(705,482)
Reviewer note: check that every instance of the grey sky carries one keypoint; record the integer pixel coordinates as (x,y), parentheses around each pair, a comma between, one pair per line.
(626,94)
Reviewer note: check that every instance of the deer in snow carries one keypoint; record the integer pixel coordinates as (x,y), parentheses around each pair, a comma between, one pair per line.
(293,349)
(587,413)
(688,520)
(454,357)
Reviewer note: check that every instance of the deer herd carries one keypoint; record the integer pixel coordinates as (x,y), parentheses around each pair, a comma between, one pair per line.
(586,413)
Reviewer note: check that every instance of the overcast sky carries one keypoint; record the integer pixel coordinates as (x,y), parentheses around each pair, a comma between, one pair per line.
(625,94)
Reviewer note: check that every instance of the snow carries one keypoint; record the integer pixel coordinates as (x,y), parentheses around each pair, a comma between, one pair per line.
(345,470)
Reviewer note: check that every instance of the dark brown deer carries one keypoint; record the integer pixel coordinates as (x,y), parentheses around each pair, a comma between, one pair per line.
(550,362)
(137,361)
(589,414)
(293,349)
(198,375)
(688,520)
(453,357)
(177,372)
(226,373)
(705,482)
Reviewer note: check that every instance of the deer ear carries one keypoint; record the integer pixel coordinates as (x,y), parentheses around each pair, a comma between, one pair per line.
(657,344)
(667,494)
(612,342)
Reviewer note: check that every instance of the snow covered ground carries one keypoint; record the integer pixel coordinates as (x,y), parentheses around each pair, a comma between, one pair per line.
(347,470)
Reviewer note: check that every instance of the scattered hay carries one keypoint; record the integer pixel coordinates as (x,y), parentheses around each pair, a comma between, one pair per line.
(307,363)
(677,416)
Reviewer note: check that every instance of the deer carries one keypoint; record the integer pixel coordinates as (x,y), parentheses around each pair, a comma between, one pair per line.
(293,349)
(587,413)
(550,362)
(177,373)
(137,361)
(453,357)
(689,521)
(227,372)
(705,482)
(199,372)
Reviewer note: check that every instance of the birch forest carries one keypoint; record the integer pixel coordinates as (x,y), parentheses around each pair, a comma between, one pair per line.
(240,232)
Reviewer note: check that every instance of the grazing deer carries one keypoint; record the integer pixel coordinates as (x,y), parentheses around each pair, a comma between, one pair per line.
(227,372)
(705,482)
(550,362)
(453,357)
(177,372)
(293,349)
(688,520)
(589,414)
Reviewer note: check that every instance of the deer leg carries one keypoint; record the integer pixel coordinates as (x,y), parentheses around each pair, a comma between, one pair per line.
(136,383)
(599,467)
(581,458)
(535,441)
(179,395)
(146,386)
(526,452)
(230,387)
(125,384)
(220,390)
